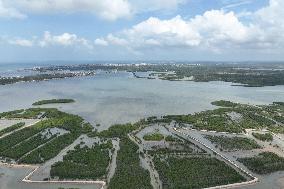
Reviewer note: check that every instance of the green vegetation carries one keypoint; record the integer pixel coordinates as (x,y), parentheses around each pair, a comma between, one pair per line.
(279,119)
(234,118)
(264,163)
(153,137)
(53,101)
(263,137)
(181,149)
(233,143)
(18,136)
(224,103)
(8,114)
(33,113)
(180,164)
(83,163)
(170,138)
(279,103)
(118,131)
(26,146)
(12,128)
(49,150)
(129,174)
(215,120)
(29,146)
(194,172)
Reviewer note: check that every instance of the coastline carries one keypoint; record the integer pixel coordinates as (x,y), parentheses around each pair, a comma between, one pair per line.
(34,168)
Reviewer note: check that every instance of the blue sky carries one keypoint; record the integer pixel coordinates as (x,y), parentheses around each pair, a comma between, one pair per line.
(232,30)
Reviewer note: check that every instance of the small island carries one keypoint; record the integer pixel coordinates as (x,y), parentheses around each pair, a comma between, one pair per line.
(53,101)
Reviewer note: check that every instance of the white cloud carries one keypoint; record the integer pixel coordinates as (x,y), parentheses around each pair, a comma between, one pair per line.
(9,12)
(101,42)
(214,30)
(216,25)
(107,9)
(211,27)
(21,42)
(111,40)
(270,19)
(65,39)
(116,40)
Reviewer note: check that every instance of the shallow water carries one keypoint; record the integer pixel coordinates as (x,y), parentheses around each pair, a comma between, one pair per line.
(110,98)
(10,178)
(270,181)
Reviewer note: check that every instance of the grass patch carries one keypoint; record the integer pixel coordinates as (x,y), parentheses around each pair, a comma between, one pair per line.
(170,138)
(263,137)
(153,137)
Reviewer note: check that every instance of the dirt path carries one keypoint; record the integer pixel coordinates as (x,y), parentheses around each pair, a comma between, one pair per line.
(112,166)
(149,165)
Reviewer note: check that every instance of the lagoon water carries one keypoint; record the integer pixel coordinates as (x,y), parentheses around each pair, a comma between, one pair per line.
(109,98)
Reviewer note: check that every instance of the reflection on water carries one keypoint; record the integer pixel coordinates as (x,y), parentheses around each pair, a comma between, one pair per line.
(110,98)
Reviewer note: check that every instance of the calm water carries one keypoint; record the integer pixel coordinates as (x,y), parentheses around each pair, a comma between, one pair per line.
(110,98)
(10,178)
(15,69)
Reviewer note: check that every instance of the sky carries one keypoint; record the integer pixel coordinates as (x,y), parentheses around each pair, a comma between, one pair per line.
(187,30)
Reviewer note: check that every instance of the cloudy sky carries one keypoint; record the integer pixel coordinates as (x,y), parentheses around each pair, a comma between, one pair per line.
(227,30)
